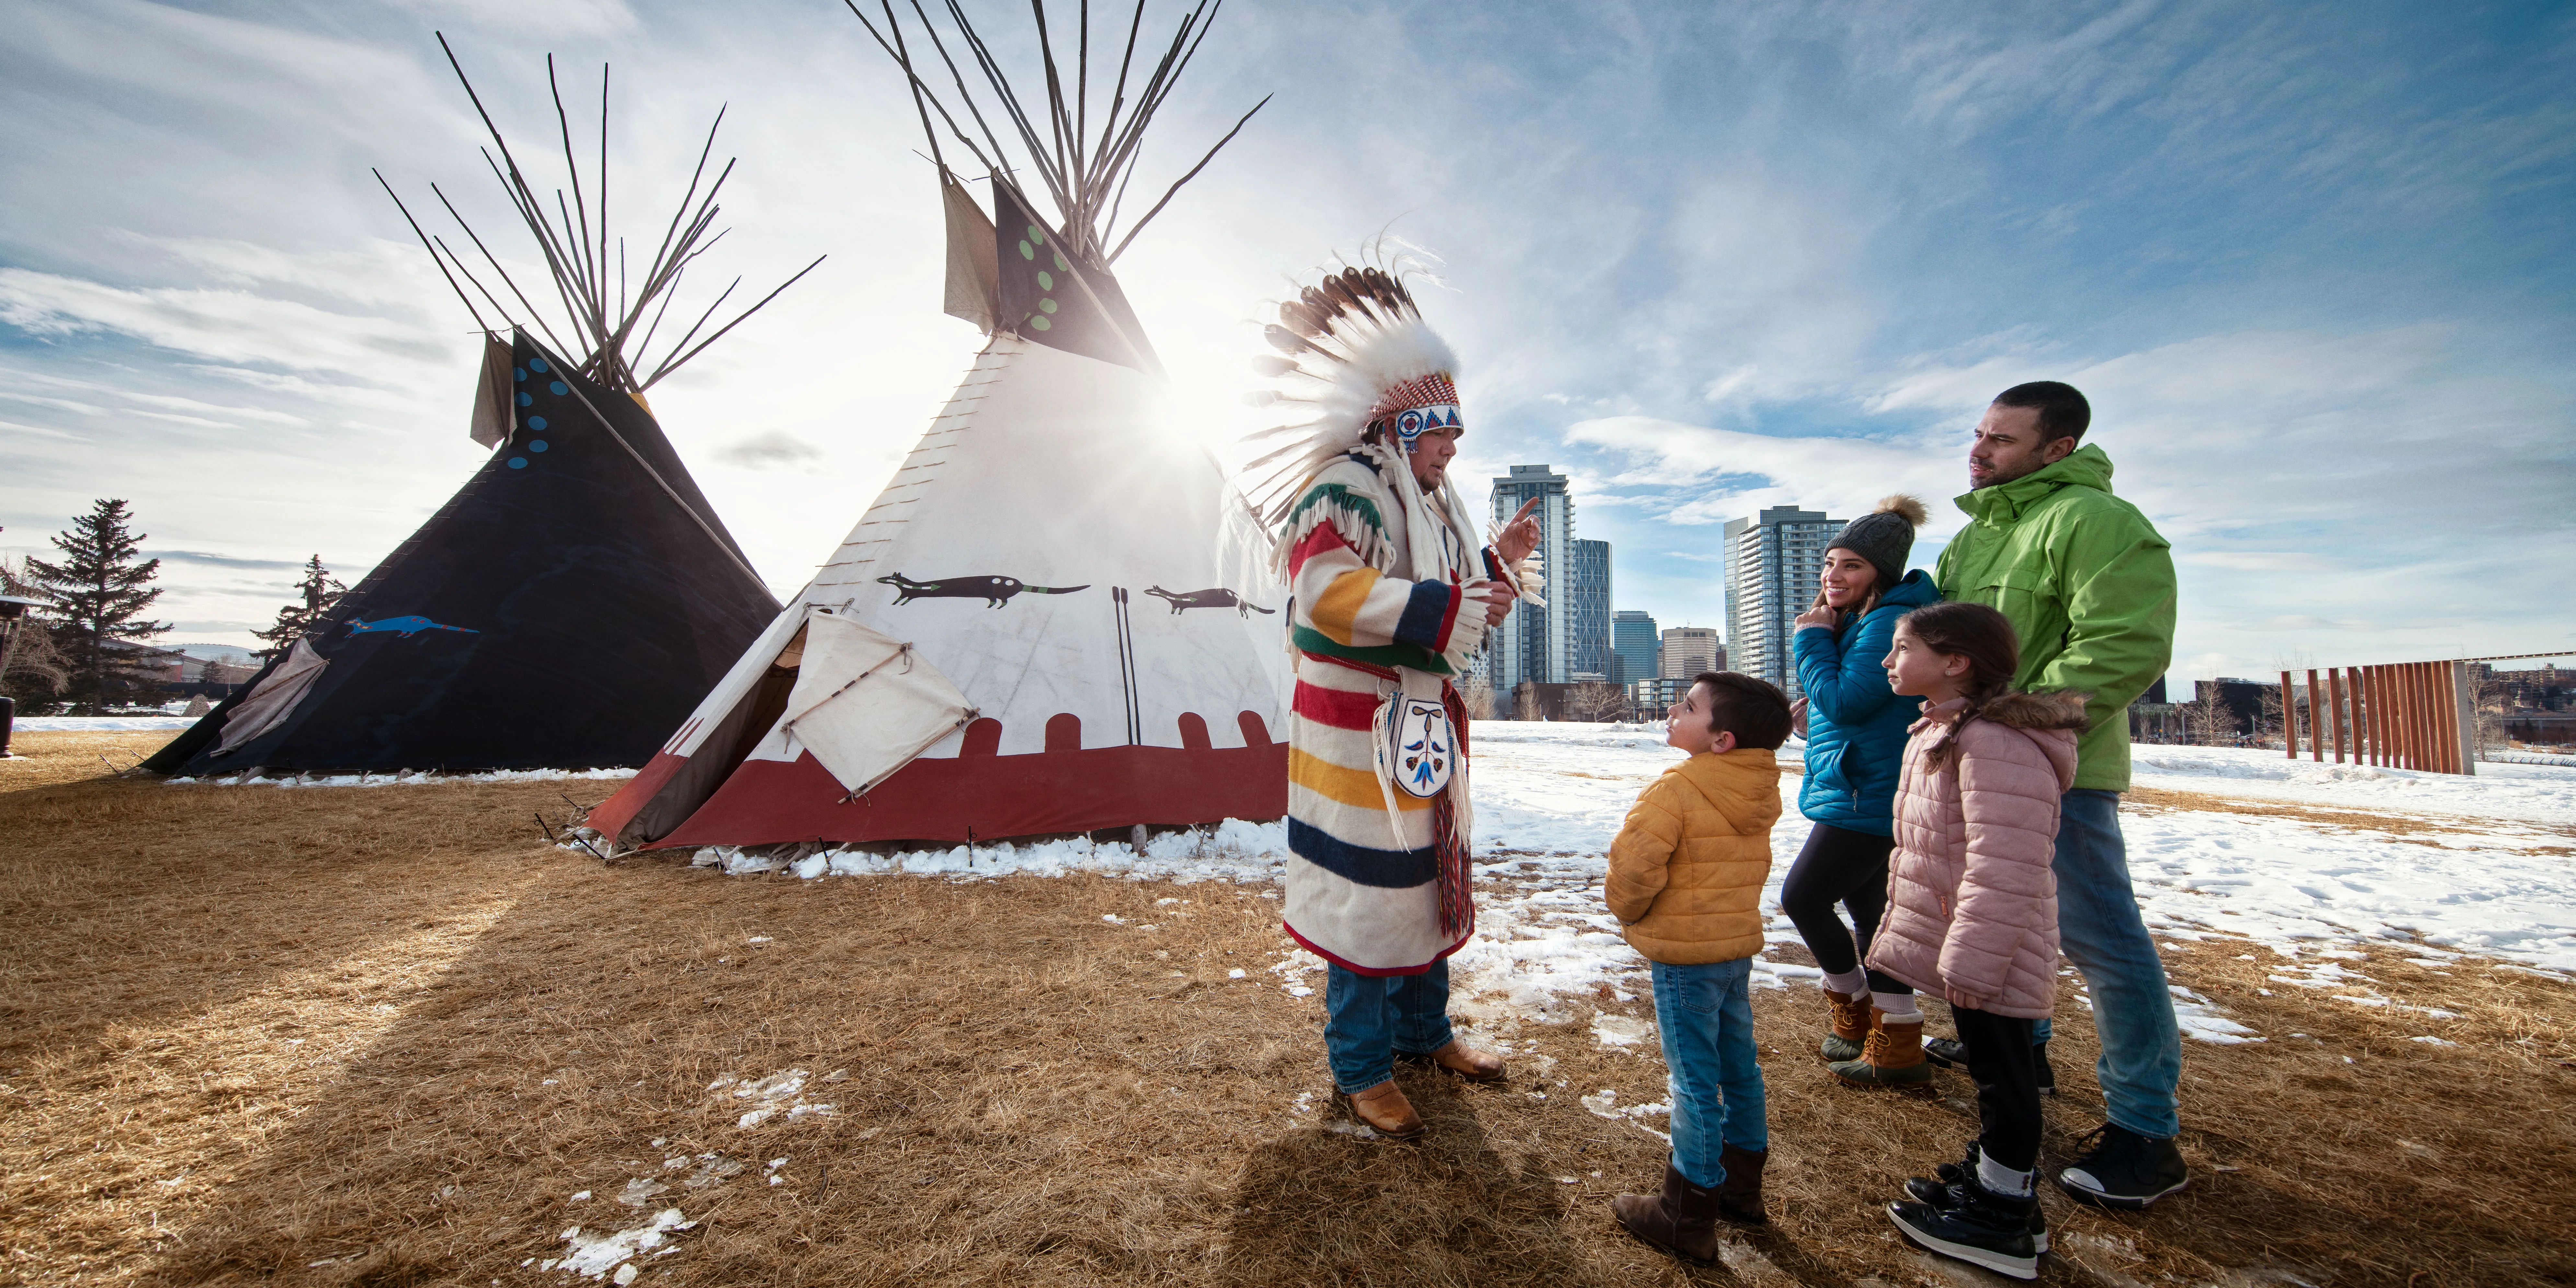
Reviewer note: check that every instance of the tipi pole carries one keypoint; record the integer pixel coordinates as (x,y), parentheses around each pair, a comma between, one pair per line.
(2289,716)
(2316,719)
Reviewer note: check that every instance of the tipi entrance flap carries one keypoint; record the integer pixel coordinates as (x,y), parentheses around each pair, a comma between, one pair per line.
(866,703)
(275,698)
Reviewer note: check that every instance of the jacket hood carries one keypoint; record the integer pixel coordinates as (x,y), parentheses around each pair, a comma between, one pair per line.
(2052,720)
(1735,782)
(2088,466)
(1915,591)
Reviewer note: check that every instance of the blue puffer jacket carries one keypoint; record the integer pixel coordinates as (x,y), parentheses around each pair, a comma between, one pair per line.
(1855,726)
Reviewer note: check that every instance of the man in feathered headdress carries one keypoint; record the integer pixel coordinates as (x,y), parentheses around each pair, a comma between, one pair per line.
(1392,590)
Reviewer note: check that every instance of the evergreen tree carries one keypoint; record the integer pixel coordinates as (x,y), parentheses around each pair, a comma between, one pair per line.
(100,590)
(321,592)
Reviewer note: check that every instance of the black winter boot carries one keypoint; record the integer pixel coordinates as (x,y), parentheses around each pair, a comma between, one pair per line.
(1946,1188)
(1985,1229)
(2125,1170)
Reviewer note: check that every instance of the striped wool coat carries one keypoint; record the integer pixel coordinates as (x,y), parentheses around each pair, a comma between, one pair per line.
(1363,887)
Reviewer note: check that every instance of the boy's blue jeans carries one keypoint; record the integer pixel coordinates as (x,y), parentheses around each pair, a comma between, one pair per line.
(1368,1018)
(2099,929)
(1705,1014)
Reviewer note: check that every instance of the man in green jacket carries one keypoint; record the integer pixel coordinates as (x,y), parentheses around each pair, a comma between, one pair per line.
(2090,587)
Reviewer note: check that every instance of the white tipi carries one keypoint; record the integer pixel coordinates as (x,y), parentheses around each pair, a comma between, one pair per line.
(1032,630)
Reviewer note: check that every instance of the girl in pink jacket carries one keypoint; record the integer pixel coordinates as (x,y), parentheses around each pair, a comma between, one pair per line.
(1972,910)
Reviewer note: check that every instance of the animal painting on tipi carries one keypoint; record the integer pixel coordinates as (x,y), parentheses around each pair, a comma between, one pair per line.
(966,664)
(578,593)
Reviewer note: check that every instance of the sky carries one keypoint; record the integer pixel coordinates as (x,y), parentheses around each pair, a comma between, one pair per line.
(2315,266)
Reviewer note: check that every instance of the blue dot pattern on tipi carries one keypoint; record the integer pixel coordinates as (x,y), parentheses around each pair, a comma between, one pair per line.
(536,422)
(557,388)
(536,444)
(526,401)
(536,364)
(518,462)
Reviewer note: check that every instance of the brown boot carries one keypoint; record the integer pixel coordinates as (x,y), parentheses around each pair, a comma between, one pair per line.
(1851,1025)
(1893,1057)
(1739,1196)
(1384,1109)
(1465,1061)
(1682,1220)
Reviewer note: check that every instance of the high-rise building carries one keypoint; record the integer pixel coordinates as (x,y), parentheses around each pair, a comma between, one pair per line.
(1632,646)
(1689,650)
(1538,643)
(1774,562)
(1587,624)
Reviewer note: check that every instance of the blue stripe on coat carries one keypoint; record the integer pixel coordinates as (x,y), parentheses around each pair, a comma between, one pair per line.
(1358,864)
(1424,613)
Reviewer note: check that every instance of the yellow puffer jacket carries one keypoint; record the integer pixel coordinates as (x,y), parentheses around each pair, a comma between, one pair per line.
(1687,870)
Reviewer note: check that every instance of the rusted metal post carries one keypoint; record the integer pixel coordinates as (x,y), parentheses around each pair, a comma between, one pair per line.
(2465,696)
(2365,718)
(2317,720)
(2360,717)
(2401,701)
(2334,709)
(2421,728)
(2289,716)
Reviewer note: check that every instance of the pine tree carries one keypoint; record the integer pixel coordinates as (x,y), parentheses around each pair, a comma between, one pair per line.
(99,590)
(321,592)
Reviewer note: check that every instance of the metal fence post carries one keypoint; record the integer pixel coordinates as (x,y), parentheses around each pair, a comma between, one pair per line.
(2289,716)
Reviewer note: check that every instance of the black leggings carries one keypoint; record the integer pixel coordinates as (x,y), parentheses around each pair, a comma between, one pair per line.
(1849,868)
(2001,1063)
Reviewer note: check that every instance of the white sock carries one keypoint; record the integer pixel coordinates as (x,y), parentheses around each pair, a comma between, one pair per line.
(1999,1179)
(1898,1006)
(1848,982)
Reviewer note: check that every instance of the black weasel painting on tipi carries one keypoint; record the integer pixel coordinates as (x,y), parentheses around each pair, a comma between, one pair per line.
(574,599)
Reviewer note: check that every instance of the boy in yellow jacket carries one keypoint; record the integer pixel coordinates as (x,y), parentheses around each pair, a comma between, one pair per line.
(1685,879)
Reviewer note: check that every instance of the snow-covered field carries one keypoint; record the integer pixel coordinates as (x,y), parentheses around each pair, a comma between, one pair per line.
(2497,877)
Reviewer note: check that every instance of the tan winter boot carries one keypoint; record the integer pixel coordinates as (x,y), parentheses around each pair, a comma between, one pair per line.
(1384,1108)
(1851,1025)
(1893,1056)
(1459,1058)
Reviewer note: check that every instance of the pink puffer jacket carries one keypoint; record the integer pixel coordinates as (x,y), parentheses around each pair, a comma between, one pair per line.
(1971,899)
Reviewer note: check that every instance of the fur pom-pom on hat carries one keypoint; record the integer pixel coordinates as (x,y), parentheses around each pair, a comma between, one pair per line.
(1904,507)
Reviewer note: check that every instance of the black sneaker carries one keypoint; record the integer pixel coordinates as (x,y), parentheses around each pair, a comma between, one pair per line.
(2125,1170)
(1945,1188)
(1951,1053)
(1985,1229)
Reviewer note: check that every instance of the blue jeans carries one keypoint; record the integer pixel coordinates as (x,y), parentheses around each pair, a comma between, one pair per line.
(1369,1018)
(2099,929)
(1705,1014)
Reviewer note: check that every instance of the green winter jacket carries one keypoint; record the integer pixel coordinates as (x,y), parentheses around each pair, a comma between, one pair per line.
(2086,581)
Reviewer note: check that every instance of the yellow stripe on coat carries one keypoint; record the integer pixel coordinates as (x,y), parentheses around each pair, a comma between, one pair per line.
(1339,606)
(1357,788)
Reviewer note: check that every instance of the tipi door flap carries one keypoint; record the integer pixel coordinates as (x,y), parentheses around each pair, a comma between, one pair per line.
(276,697)
(866,703)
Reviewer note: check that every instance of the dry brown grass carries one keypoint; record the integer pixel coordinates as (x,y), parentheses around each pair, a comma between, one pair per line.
(390,1030)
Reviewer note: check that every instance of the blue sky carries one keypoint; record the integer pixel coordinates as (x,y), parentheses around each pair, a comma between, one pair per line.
(2311,263)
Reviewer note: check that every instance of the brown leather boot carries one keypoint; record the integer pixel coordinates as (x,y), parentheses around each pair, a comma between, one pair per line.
(1682,1220)
(1466,1061)
(1739,1196)
(1384,1109)
(1851,1014)
(1893,1057)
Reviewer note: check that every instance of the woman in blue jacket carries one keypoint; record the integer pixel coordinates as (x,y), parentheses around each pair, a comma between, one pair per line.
(1856,731)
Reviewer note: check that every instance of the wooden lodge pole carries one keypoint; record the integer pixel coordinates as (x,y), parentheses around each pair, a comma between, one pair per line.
(2317,720)
(2289,716)
(2360,717)
(2422,708)
(2365,715)
(2402,703)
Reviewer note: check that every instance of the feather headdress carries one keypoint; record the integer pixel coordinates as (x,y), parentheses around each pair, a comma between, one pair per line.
(1354,353)
(1351,347)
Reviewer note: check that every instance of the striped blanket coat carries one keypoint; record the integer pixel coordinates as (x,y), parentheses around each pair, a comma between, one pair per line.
(1364,887)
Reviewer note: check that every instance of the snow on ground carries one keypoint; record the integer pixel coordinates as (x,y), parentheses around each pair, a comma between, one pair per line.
(406,778)
(1549,797)
(2532,793)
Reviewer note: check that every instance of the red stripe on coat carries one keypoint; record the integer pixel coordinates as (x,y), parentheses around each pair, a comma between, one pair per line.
(1322,539)
(1336,708)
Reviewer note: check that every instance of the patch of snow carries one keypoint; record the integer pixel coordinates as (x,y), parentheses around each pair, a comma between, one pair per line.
(594,1256)
(777,1093)
(2204,1022)
(1622,1031)
(404,778)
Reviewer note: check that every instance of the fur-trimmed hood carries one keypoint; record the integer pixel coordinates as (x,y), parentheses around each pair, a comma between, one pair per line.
(2036,711)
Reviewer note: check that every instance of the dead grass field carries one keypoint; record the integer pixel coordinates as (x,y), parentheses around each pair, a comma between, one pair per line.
(381,1036)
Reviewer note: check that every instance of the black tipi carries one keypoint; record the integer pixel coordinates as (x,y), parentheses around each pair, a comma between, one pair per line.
(570,604)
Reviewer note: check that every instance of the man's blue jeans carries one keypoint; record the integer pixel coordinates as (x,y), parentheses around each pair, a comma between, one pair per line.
(1368,1018)
(1705,1015)
(2099,929)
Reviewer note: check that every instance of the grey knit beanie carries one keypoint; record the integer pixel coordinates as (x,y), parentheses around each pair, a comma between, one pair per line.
(1884,537)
